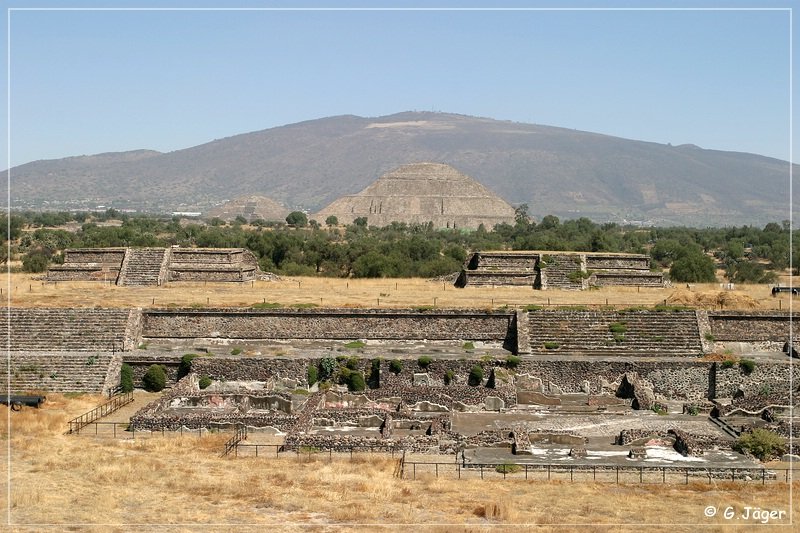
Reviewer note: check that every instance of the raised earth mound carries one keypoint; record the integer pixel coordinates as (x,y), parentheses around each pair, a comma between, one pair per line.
(420,193)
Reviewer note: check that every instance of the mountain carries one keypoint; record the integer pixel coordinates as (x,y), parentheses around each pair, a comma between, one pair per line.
(307,165)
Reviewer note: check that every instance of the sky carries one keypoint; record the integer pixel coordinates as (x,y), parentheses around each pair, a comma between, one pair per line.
(91,81)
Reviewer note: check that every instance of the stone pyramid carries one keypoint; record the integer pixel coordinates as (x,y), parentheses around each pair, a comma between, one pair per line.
(251,208)
(421,193)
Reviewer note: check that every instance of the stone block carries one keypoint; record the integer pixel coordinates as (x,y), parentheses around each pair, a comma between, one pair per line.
(493,403)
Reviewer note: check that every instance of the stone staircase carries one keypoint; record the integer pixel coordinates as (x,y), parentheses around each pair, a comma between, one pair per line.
(64,329)
(558,269)
(57,371)
(604,333)
(144,267)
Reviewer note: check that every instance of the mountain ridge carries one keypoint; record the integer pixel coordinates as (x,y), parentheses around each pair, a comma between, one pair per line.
(309,164)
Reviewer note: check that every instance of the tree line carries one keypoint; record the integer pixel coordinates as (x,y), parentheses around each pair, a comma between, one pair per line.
(746,254)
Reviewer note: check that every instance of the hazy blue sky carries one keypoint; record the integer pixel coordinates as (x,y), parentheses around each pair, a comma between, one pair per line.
(85,82)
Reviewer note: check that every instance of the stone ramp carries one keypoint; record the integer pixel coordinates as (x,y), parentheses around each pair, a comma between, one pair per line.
(610,333)
(58,371)
(65,329)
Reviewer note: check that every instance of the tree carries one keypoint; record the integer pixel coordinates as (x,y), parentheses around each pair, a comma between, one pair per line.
(361,222)
(332,221)
(297,219)
(693,267)
(521,216)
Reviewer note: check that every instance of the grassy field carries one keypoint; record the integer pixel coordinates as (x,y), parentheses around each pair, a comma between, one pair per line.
(26,291)
(80,483)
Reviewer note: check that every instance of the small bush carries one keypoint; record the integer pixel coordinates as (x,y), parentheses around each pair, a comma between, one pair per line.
(424,361)
(352,363)
(355,344)
(747,365)
(513,361)
(507,468)
(618,327)
(551,345)
(186,365)
(125,378)
(468,346)
(155,379)
(266,305)
(532,307)
(709,336)
(728,363)
(353,379)
(204,382)
(396,366)
(475,376)
(311,375)
(236,351)
(326,367)
(761,443)
(448,377)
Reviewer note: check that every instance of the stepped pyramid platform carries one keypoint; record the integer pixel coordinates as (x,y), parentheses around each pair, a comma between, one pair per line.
(251,208)
(92,372)
(609,333)
(156,266)
(420,193)
(558,270)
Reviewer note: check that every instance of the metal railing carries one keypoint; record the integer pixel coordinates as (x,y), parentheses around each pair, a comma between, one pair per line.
(300,449)
(239,434)
(78,423)
(602,473)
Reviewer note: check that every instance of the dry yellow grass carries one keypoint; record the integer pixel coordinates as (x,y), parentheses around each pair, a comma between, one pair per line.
(83,483)
(333,292)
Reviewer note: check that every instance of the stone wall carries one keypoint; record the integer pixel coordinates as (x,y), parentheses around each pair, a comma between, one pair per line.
(626,262)
(767,378)
(749,326)
(326,324)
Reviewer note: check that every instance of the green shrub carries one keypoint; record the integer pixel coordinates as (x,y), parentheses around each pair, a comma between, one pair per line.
(449,375)
(353,379)
(617,327)
(352,363)
(475,376)
(266,305)
(728,363)
(532,307)
(709,336)
(204,382)
(396,366)
(747,365)
(551,345)
(424,361)
(761,443)
(326,367)
(125,377)
(513,361)
(311,375)
(468,345)
(186,365)
(355,344)
(236,351)
(155,379)
(507,468)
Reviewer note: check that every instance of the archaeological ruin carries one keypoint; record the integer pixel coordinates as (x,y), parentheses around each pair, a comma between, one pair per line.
(250,208)
(156,266)
(420,193)
(585,386)
(558,270)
